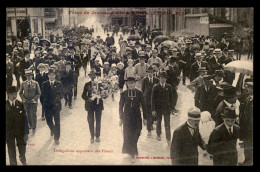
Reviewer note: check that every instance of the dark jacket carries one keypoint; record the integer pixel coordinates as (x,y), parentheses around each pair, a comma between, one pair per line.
(16,119)
(246,119)
(184,146)
(52,96)
(214,65)
(87,94)
(67,80)
(162,98)
(173,72)
(40,79)
(147,88)
(204,99)
(195,67)
(222,145)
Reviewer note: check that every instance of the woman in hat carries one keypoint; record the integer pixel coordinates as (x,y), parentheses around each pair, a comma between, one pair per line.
(130,117)
(223,140)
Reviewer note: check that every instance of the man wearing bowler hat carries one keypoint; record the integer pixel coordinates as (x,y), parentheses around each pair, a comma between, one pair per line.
(196,65)
(186,139)
(205,94)
(67,81)
(223,140)
(162,101)
(130,116)
(230,101)
(52,93)
(218,77)
(147,86)
(17,128)
(30,92)
(93,104)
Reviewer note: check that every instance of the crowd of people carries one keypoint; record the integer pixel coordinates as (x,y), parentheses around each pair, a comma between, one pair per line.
(147,77)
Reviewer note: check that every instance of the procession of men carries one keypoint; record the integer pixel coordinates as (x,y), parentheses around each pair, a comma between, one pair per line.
(144,79)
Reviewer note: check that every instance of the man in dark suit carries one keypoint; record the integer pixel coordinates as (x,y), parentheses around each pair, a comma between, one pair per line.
(147,85)
(75,65)
(9,71)
(196,65)
(246,125)
(223,140)
(230,101)
(93,104)
(135,51)
(173,78)
(205,95)
(183,56)
(186,139)
(40,78)
(162,101)
(17,128)
(25,63)
(130,116)
(113,58)
(67,81)
(52,93)
(214,62)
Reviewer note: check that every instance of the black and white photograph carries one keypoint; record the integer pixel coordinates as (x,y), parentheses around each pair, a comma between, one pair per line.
(129,86)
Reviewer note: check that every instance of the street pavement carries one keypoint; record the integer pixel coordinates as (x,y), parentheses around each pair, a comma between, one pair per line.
(75,147)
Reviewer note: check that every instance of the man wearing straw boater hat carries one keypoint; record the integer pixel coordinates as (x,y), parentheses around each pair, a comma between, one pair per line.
(93,104)
(186,139)
(130,117)
(223,140)
(30,92)
(52,93)
(17,128)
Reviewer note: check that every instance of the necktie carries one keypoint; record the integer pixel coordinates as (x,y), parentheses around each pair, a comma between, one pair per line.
(51,84)
(229,130)
(12,104)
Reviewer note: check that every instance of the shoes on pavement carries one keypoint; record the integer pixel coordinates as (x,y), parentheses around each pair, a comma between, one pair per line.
(132,159)
(43,118)
(158,138)
(52,133)
(57,142)
(97,139)
(24,163)
(169,143)
(33,131)
(92,140)
(175,111)
(149,134)
(70,107)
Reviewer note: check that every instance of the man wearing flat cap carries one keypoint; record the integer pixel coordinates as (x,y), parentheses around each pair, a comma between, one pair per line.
(186,139)
(52,93)
(17,128)
(223,140)
(246,124)
(173,78)
(140,70)
(147,85)
(205,94)
(130,116)
(162,105)
(30,92)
